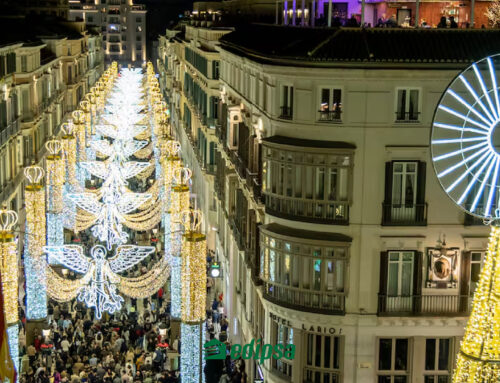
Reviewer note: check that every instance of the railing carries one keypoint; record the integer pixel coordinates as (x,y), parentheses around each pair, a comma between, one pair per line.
(330,115)
(286,113)
(237,235)
(321,375)
(282,369)
(211,169)
(415,305)
(407,116)
(470,220)
(308,210)
(257,191)
(220,133)
(404,214)
(305,300)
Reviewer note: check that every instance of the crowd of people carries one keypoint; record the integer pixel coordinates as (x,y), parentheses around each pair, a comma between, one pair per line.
(126,347)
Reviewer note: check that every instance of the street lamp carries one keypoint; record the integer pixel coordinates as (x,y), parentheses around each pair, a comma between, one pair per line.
(215,271)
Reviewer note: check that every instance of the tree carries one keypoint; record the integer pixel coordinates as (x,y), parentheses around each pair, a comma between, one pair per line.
(493,14)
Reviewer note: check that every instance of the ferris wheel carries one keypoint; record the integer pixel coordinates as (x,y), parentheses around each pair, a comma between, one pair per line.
(465,139)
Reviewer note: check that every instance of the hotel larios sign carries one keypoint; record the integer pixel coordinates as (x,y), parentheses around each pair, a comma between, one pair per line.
(306,327)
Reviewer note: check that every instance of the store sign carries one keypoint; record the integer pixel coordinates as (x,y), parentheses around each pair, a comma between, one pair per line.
(306,326)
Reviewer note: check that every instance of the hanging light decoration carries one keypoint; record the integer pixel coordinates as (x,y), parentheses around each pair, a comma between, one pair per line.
(34,194)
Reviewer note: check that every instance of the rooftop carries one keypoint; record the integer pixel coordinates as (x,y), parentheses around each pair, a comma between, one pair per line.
(286,45)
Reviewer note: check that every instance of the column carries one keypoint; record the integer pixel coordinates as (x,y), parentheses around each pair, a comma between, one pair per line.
(313,13)
(285,8)
(303,21)
(472,6)
(362,13)
(417,13)
(329,13)
(294,12)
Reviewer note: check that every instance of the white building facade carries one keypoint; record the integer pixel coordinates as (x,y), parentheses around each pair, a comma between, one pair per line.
(332,229)
(122,24)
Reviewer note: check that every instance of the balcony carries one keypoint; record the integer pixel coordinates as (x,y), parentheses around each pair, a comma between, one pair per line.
(328,212)
(470,220)
(323,302)
(257,191)
(424,305)
(404,215)
(407,117)
(330,115)
(237,235)
(286,113)
(211,169)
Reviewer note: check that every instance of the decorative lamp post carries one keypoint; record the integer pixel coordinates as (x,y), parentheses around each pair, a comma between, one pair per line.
(55,182)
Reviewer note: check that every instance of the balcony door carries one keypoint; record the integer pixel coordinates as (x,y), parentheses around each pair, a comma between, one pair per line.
(404,193)
(400,270)
(400,281)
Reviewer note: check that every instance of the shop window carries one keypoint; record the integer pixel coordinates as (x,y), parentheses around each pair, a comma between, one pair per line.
(393,355)
(323,358)
(282,335)
(476,262)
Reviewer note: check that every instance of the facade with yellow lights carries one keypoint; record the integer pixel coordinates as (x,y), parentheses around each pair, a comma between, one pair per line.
(123,26)
(330,226)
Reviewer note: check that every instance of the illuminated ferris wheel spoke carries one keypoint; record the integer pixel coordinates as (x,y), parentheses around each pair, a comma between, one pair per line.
(468,171)
(461,151)
(475,178)
(485,92)
(463,117)
(463,162)
(494,81)
(479,193)
(468,106)
(457,140)
(494,181)
(460,128)
(476,97)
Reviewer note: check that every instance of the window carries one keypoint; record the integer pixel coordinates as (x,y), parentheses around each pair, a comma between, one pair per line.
(90,19)
(393,360)
(407,105)
(330,107)
(400,274)
(437,360)
(24,63)
(315,185)
(286,102)
(282,335)
(138,47)
(476,262)
(299,272)
(405,193)
(323,358)
(138,38)
(215,70)
(404,184)
(138,20)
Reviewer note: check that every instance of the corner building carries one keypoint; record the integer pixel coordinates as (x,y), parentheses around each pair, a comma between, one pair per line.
(332,229)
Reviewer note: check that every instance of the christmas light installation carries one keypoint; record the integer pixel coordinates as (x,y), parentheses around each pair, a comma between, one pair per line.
(101,292)
(55,182)
(194,295)
(34,265)
(10,286)
(465,145)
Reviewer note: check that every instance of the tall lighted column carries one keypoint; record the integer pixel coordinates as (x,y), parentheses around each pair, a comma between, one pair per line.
(55,183)
(71,184)
(10,286)
(34,240)
(194,296)
(179,202)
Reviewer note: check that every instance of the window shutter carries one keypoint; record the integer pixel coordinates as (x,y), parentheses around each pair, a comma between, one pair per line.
(384,256)
(417,280)
(421,175)
(387,204)
(464,280)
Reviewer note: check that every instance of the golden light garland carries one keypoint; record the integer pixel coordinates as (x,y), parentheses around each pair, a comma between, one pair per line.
(146,173)
(479,356)
(35,210)
(193,270)
(148,283)
(144,152)
(61,289)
